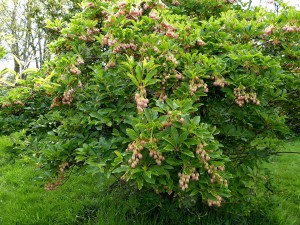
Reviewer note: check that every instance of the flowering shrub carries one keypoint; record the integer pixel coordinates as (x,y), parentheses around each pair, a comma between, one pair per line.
(168,103)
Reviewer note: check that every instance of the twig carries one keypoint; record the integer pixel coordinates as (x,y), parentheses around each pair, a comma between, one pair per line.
(285,152)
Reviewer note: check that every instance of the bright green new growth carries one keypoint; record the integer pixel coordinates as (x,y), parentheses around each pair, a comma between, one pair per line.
(163,101)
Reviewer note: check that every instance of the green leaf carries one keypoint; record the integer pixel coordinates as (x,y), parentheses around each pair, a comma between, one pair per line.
(148,173)
(183,136)
(225,192)
(149,77)
(80,158)
(174,135)
(148,178)
(173,162)
(196,120)
(168,167)
(172,104)
(117,161)
(96,115)
(118,154)
(133,79)
(162,180)
(194,192)
(159,170)
(160,104)
(188,153)
(136,170)
(30,70)
(151,82)
(168,148)
(169,140)
(139,72)
(120,169)
(190,141)
(132,134)
(148,114)
(140,183)
(18,61)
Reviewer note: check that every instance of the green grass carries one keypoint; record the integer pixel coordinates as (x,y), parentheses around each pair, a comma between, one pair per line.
(285,171)
(23,199)
(87,199)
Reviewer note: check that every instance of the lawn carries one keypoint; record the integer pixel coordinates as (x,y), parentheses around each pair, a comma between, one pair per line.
(87,199)
(285,171)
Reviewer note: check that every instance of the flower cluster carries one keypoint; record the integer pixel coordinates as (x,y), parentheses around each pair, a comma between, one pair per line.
(179,76)
(220,82)
(184,179)
(68,97)
(79,61)
(214,173)
(56,102)
(241,97)
(203,154)
(141,102)
(75,70)
(146,6)
(182,120)
(79,85)
(162,5)
(172,59)
(124,47)
(157,156)
(108,41)
(269,30)
(288,28)
(169,122)
(200,42)
(89,35)
(110,64)
(121,5)
(175,3)
(135,12)
(215,202)
(171,34)
(197,83)
(153,15)
(86,38)
(19,103)
(200,149)
(92,31)
(120,13)
(211,169)
(5,105)
(166,77)
(165,28)
(136,149)
(161,95)
(231,1)
(90,5)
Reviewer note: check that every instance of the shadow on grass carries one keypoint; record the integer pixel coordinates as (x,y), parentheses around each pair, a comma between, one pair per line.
(87,199)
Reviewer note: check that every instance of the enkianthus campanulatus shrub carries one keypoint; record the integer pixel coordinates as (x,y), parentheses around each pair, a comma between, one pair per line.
(165,101)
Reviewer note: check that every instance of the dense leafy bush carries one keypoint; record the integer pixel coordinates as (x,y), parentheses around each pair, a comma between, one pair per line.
(167,102)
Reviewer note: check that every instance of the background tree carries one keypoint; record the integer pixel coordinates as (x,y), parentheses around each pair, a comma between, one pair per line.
(23,28)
